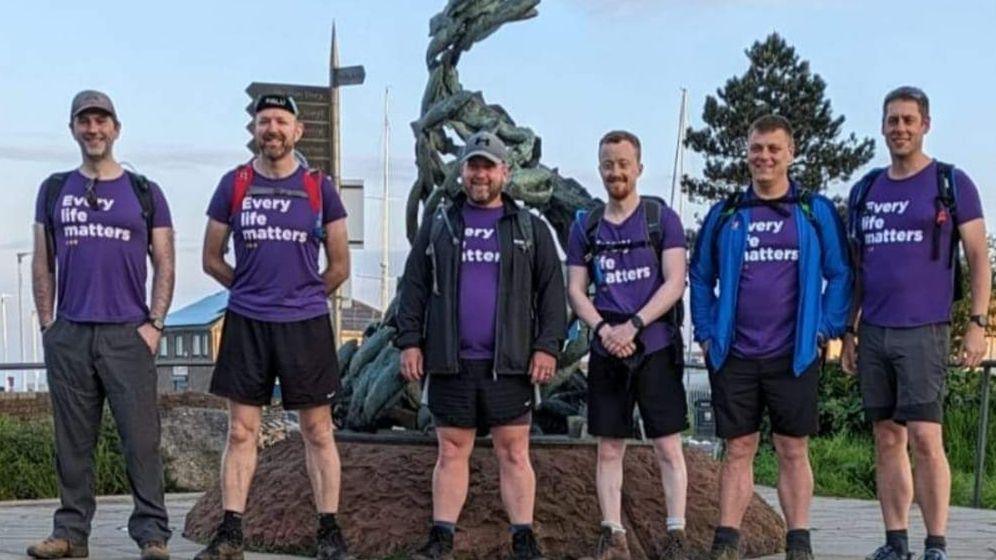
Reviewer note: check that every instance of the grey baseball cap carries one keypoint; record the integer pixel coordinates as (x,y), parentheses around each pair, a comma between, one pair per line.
(486,144)
(91,99)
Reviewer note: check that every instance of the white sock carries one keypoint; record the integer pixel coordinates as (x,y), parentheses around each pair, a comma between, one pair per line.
(616,528)
(675,523)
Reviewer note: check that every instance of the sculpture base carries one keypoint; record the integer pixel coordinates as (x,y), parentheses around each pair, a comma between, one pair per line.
(386,504)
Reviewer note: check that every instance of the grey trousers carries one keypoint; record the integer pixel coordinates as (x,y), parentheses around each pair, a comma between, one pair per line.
(87,363)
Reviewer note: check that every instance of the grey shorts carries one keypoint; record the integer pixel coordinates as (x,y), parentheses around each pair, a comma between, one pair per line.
(902,372)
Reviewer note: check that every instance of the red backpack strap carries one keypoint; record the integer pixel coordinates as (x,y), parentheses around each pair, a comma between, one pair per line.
(313,186)
(240,186)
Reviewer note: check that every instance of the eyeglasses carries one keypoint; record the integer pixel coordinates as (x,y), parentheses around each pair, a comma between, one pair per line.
(90,194)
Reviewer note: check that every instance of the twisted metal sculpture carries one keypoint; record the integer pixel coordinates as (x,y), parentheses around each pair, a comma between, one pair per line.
(373,394)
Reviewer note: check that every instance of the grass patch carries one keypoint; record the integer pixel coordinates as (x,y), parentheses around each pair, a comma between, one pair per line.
(844,463)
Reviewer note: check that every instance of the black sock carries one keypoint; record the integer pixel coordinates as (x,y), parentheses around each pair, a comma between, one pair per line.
(232,519)
(327,521)
(517,528)
(726,537)
(445,525)
(798,539)
(899,540)
(936,541)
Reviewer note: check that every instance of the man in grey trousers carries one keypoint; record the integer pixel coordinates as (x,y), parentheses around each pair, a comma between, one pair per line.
(95,226)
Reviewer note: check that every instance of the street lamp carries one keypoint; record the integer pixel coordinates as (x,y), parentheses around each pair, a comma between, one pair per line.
(3,325)
(20,302)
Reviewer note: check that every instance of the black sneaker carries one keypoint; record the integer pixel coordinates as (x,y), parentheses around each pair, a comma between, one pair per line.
(227,544)
(886,552)
(330,544)
(524,546)
(438,547)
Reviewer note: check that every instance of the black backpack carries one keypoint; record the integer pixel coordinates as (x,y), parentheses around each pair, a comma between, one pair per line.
(653,209)
(52,188)
(945,206)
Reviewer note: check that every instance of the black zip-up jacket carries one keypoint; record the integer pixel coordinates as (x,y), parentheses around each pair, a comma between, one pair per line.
(531,306)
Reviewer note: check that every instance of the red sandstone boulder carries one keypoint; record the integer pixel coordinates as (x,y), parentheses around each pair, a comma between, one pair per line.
(386,503)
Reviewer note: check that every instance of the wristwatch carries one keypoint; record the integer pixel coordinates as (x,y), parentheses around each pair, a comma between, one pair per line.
(637,322)
(157,323)
(980,320)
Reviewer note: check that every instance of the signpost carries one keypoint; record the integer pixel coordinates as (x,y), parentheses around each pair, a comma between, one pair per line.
(318,108)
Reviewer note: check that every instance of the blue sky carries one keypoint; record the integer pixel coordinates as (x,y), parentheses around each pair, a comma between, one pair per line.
(177,72)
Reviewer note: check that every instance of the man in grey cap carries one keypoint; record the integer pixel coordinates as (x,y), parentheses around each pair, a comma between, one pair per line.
(95,228)
(484,278)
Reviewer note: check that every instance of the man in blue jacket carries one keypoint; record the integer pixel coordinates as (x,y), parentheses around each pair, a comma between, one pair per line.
(779,257)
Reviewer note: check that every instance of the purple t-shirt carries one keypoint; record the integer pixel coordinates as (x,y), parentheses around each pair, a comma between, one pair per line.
(767,300)
(479,270)
(631,275)
(276,249)
(903,286)
(102,253)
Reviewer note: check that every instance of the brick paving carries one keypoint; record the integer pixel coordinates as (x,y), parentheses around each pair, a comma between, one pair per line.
(843,529)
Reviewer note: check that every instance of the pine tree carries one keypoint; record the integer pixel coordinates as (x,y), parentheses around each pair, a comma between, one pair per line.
(777,82)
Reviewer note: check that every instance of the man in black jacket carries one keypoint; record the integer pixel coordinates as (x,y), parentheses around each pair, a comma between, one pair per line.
(481,317)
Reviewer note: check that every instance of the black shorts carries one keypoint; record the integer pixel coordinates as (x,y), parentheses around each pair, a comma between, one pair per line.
(254,353)
(474,398)
(742,389)
(655,386)
(902,372)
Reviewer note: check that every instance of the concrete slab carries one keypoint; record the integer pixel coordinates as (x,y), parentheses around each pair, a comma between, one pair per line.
(843,529)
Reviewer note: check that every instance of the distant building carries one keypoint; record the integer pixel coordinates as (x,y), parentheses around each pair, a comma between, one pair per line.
(189,346)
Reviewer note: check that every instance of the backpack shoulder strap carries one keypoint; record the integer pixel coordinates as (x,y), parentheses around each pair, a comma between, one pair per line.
(946,185)
(524,220)
(143,192)
(589,220)
(805,200)
(440,221)
(51,189)
(947,195)
(856,203)
(730,206)
(653,211)
(240,185)
(313,179)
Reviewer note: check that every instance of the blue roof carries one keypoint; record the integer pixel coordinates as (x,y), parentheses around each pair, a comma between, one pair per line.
(202,312)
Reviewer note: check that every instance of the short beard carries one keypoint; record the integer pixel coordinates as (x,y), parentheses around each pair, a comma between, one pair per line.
(274,153)
(623,194)
(491,195)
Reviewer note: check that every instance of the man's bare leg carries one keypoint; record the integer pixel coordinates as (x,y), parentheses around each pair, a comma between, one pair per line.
(321,457)
(238,462)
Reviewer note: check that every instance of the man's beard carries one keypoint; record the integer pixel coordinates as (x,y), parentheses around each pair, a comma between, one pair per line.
(619,191)
(483,197)
(277,151)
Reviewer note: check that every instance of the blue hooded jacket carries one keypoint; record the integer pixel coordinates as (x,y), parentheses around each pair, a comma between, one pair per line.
(823,256)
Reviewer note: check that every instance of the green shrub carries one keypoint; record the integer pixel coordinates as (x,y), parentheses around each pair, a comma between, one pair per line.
(27,460)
